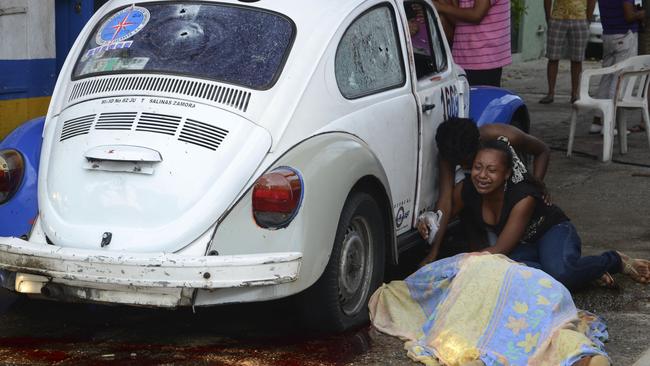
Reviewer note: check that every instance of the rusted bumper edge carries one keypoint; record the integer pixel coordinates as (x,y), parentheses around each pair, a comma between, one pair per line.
(147,270)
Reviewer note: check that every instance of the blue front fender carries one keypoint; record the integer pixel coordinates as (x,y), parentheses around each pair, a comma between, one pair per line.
(17,215)
(495,105)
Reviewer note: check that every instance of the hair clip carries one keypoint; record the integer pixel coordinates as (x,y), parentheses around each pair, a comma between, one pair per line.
(518,167)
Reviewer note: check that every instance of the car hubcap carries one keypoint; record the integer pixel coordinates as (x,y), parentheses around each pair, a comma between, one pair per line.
(355,266)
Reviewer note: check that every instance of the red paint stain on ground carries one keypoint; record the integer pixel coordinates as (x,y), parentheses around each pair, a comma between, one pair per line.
(39,355)
(294,351)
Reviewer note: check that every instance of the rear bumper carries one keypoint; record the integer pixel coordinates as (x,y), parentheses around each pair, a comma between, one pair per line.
(133,273)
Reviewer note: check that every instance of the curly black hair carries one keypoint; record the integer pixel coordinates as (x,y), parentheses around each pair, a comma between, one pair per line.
(457,140)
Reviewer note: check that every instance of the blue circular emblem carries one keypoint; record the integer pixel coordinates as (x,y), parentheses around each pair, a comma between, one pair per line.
(122,25)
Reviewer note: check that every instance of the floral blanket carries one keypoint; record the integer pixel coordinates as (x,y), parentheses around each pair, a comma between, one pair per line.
(487,307)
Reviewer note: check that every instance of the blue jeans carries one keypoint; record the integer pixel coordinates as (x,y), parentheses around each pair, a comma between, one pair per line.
(558,253)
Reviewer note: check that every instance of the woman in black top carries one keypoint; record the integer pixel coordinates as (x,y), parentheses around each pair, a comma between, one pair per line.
(498,195)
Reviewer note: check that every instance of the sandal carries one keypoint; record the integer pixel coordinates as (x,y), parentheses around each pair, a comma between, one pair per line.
(546,100)
(606,281)
(637,128)
(637,269)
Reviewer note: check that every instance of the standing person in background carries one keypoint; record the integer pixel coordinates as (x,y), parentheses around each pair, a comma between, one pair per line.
(568,21)
(447,24)
(481,37)
(620,20)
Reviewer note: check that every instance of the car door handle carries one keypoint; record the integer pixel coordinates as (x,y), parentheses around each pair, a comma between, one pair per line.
(427,107)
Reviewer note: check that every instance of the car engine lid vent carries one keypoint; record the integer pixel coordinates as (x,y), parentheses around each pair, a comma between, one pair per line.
(225,95)
(235,98)
(116,121)
(158,123)
(76,126)
(202,134)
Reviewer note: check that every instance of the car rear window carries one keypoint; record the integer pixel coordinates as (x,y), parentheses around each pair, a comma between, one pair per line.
(233,44)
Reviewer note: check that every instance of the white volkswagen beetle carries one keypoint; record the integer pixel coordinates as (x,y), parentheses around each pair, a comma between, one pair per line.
(201,152)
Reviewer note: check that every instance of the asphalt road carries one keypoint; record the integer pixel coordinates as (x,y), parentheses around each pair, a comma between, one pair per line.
(607,202)
(44,332)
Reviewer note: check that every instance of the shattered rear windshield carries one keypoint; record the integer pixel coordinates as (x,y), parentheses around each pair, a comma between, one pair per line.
(233,44)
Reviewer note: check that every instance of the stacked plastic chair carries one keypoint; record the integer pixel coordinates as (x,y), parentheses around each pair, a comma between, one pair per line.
(632,79)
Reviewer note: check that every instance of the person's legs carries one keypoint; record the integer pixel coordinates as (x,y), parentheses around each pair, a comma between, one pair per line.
(576,70)
(605,89)
(551,77)
(607,82)
(560,256)
(578,36)
(616,48)
(554,44)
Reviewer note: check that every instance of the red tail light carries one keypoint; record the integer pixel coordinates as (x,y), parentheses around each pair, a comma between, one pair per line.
(276,198)
(11,173)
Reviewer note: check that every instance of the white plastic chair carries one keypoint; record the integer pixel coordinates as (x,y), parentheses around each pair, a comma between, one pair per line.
(633,77)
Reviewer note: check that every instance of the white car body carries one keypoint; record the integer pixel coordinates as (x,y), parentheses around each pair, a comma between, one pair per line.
(177,209)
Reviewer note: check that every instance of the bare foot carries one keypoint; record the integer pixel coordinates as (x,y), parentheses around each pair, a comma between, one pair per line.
(637,269)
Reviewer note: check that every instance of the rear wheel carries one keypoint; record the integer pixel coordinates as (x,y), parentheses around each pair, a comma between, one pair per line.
(339,299)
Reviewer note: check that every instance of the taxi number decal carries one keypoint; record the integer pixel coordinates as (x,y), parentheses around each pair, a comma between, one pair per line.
(449,99)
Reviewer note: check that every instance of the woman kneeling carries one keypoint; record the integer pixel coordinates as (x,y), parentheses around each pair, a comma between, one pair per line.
(500,197)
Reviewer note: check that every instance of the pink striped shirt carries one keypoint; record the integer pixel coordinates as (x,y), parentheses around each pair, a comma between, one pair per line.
(486,45)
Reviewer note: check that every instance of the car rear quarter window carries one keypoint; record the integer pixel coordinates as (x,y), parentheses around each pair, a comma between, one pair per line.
(233,44)
(368,58)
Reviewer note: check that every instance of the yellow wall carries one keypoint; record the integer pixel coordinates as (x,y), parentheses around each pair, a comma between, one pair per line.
(16,111)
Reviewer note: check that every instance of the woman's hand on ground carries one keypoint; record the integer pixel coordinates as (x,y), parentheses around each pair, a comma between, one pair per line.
(423,229)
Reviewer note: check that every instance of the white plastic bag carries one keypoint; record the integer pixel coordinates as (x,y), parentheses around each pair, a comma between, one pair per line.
(432,220)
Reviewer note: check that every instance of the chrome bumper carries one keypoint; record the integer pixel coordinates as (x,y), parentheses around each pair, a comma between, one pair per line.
(134,272)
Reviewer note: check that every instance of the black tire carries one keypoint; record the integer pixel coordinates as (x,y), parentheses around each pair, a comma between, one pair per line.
(339,299)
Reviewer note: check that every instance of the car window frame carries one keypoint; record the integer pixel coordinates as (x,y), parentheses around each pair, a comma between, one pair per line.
(429,11)
(398,45)
(440,32)
(270,85)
